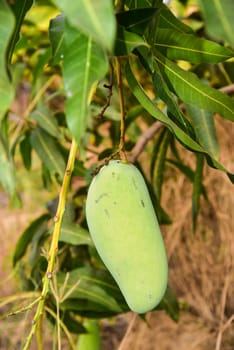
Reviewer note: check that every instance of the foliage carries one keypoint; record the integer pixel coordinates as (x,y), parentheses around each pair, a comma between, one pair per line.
(69,53)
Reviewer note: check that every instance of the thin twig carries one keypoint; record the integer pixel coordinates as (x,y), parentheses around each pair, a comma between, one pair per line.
(54,243)
(129,329)
(144,139)
(122,110)
(110,88)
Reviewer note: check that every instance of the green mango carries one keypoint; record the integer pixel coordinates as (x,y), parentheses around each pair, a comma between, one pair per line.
(126,233)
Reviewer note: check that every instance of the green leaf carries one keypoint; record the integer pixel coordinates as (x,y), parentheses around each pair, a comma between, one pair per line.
(188,172)
(74,234)
(7,23)
(27,236)
(19,8)
(26,150)
(159,164)
(218,15)
(168,20)
(56,35)
(170,99)
(126,42)
(189,88)
(94,18)
(203,123)
(7,171)
(48,152)
(197,188)
(180,46)
(150,107)
(137,20)
(91,284)
(170,304)
(46,121)
(84,64)
(138,4)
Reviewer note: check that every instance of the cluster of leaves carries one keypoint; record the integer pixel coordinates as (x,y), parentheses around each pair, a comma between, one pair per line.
(64,61)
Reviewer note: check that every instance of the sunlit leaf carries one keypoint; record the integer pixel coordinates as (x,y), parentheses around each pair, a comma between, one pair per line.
(203,123)
(84,64)
(191,90)
(151,108)
(93,18)
(180,46)
(218,15)
(7,22)
(168,20)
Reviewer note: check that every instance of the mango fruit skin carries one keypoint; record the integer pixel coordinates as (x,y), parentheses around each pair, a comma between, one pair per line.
(126,233)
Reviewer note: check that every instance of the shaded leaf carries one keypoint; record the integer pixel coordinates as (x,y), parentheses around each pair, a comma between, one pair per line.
(19,8)
(47,150)
(27,236)
(84,64)
(188,172)
(203,123)
(26,151)
(189,88)
(7,22)
(218,15)
(93,18)
(46,121)
(56,35)
(91,284)
(136,20)
(168,20)
(159,164)
(74,234)
(180,46)
(170,304)
(126,42)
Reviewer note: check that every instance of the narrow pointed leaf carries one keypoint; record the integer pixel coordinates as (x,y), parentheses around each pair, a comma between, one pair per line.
(150,107)
(180,46)
(126,42)
(7,22)
(56,35)
(168,20)
(189,88)
(218,15)
(19,8)
(94,285)
(74,234)
(203,123)
(159,165)
(94,18)
(27,236)
(197,188)
(47,150)
(84,64)
(7,171)
(47,121)
(137,20)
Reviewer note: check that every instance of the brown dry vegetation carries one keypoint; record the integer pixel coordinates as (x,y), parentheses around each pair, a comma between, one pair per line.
(201,267)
